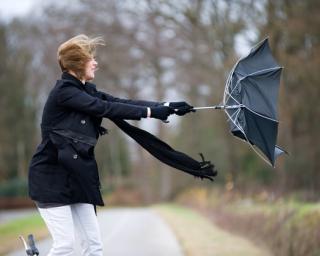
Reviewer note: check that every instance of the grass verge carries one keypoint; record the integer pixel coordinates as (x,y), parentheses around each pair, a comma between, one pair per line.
(198,236)
(285,226)
(10,232)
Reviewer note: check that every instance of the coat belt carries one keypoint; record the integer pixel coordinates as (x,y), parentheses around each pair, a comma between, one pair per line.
(78,137)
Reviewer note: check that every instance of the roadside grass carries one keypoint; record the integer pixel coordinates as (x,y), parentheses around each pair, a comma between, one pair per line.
(11,230)
(284,225)
(286,228)
(199,236)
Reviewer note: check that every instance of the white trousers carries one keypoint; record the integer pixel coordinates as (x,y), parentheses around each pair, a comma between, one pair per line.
(70,222)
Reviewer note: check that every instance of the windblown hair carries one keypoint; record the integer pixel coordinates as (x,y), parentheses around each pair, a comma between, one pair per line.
(76,52)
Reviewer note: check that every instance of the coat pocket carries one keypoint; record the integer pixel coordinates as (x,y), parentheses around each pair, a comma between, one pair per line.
(76,154)
(84,150)
(78,160)
(76,142)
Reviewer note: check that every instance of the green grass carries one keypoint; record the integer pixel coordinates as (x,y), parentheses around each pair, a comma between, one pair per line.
(22,225)
(305,208)
(300,208)
(286,225)
(11,230)
(199,236)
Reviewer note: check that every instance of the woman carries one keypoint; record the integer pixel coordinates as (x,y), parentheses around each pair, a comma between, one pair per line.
(63,174)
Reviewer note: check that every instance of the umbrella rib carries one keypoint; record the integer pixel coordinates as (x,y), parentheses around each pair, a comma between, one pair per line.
(263,116)
(228,82)
(262,71)
(247,140)
(230,96)
(237,112)
(237,84)
(243,132)
(234,67)
(240,80)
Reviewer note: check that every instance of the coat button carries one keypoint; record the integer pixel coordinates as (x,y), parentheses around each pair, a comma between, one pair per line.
(83,121)
(75,156)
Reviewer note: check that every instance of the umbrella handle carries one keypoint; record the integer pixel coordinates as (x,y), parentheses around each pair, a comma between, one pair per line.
(220,107)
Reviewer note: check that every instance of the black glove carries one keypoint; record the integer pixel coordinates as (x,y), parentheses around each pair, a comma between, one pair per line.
(181,107)
(161,112)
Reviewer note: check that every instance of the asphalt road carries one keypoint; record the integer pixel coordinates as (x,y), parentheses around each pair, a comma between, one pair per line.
(129,232)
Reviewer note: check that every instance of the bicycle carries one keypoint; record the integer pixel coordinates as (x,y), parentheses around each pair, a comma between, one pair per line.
(30,247)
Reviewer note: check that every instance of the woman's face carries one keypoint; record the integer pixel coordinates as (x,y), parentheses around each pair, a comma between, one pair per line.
(90,68)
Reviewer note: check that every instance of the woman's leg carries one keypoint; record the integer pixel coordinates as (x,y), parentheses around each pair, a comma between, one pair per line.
(86,225)
(60,224)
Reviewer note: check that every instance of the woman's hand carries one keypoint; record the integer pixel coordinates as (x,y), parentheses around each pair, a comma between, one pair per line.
(161,112)
(180,108)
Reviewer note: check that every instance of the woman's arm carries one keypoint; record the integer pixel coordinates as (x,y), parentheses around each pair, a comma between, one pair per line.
(72,97)
(108,97)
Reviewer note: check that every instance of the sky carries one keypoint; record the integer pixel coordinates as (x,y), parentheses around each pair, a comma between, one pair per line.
(13,8)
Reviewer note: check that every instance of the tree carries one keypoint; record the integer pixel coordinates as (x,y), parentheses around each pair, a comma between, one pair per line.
(293,27)
(17,120)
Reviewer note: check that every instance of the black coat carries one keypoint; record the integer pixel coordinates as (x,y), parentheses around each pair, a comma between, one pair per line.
(63,168)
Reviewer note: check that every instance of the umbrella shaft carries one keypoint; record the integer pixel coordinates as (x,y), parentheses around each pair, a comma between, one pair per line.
(219,107)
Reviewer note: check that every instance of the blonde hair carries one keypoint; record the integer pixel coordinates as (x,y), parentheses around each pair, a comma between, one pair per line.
(76,52)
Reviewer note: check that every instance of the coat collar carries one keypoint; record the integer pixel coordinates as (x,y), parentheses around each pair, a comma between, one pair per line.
(68,76)
(87,86)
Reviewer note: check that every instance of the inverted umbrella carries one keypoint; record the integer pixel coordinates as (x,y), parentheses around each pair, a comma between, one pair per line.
(250,101)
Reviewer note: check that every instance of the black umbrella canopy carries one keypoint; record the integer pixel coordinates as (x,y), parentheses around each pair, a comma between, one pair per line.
(250,100)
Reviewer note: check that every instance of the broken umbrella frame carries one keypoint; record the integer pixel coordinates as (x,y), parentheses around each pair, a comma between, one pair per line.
(250,101)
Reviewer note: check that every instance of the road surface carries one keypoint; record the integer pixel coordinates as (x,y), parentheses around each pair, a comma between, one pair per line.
(129,232)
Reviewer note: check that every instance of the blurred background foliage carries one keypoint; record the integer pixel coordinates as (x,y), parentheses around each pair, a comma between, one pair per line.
(165,50)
